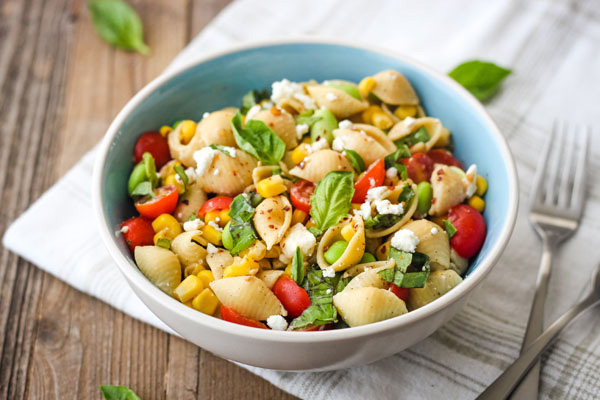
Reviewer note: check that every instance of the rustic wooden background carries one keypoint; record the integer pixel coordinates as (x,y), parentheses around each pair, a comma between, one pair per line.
(60,86)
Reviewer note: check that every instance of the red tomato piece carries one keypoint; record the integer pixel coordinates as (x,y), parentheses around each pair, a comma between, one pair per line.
(441,156)
(470,230)
(164,202)
(137,231)
(300,193)
(155,144)
(229,315)
(293,297)
(372,177)
(215,204)
(316,328)
(419,167)
(401,293)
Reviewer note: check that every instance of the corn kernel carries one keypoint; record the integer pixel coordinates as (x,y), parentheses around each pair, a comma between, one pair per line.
(482,185)
(288,270)
(166,222)
(271,186)
(255,252)
(366,86)
(212,216)
(477,203)
(188,288)
(299,217)
(171,180)
(381,120)
(367,115)
(206,277)
(300,153)
(211,234)
(348,232)
(187,131)
(405,111)
(356,206)
(165,129)
(188,303)
(225,218)
(241,267)
(206,302)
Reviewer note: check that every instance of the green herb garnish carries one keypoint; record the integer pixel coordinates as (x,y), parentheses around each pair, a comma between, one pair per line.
(411,269)
(223,149)
(164,243)
(241,230)
(143,189)
(111,392)
(253,98)
(331,199)
(297,269)
(420,135)
(450,229)
(381,221)
(392,159)
(181,173)
(356,160)
(321,310)
(481,78)
(257,139)
(118,24)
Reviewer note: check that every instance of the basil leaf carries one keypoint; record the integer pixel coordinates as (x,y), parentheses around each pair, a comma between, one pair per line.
(164,243)
(402,171)
(307,117)
(342,283)
(184,178)
(481,78)
(118,24)
(241,230)
(222,149)
(420,135)
(253,98)
(406,196)
(138,175)
(258,140)
(331,199)
(240,209)
(143,189)
(392,159)
(243,236)
(356,160)
(382,221)
(111,392)
(315,231)
(192,217)
(321,310)
(450,229)
(322,122)
(297,269)
(411,269)
(150,167)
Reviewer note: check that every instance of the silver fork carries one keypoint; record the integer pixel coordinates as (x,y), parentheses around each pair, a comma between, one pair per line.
(557,202)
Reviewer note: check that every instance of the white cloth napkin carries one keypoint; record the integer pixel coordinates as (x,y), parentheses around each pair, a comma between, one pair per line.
(552,48)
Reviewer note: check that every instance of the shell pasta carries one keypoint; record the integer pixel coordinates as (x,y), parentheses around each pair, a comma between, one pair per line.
(312,206)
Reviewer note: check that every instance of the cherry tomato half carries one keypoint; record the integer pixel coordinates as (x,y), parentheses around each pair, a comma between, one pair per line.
(215,204)
(137,231)
(419,167)
(227,314)
(316,328)
(300,193)
(441,156)
(155,144)
(401,293)
(293,297)
(470,230)
(372,177)
(164,202)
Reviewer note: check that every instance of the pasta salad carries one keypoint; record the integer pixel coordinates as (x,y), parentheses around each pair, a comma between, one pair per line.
(313,206)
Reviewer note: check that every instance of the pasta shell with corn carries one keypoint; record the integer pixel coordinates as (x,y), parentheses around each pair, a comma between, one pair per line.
(184,150)
(365,305)
(160,266)
(272,218)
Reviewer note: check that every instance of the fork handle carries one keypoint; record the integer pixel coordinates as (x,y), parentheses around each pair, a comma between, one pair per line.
(529,386)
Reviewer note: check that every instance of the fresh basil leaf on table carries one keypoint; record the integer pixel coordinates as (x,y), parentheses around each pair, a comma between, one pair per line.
(332,199)
(118,24)
(112,392)
(481,78)
(321,310)
(297,269)
(257,139)
(355,160)
(253,98)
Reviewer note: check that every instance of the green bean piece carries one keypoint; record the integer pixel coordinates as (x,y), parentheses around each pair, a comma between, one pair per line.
(138,175)
(226,237)
(345,87)
(335,251)
(424,196)
(367,258)
(324,126)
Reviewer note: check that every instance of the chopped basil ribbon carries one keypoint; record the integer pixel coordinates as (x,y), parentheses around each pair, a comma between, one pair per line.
(257,139)
(450,229)
(331,199)
(420,135)
(386,220)
(481,78)
(241,230)
(411,269)
(321,310)
(297,269)
(184,178)
(391,160)
(222,149)
(253,98)
(356,160)
(322,122)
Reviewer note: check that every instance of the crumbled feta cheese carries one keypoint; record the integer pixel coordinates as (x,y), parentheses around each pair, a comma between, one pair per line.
(229,150)
(470,180)
(434,230)
(252,112)
(363,133)
(193,225)
(215,225)
(329,272)
(125,229)
(301,130)
(365,210)
(376,193)
(372,182)
(204,158)
(408,122)
(318,145)
(178,179)
(331,96)
(211,248)
(277,323)
(267,105)
(345,124)
(297,236)
(391,173)
(216,171)
(191,174)
(405,240)
(338,144)
(386,207)
(205,115)
(284,90)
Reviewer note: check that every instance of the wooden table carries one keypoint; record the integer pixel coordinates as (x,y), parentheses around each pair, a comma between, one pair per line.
(60,88)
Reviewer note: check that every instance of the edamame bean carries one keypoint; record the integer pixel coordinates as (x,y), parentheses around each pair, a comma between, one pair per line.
(226,237)
(345,87)
(335,251)
(424,196)
(138,175)
(367,258)
(324,127)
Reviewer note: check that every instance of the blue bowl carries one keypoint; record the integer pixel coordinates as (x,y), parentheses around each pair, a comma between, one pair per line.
(220,81)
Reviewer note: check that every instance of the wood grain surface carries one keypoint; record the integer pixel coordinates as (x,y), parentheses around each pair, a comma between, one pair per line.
(60,86)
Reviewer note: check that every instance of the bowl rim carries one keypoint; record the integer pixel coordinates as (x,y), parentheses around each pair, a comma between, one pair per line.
(134,278)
